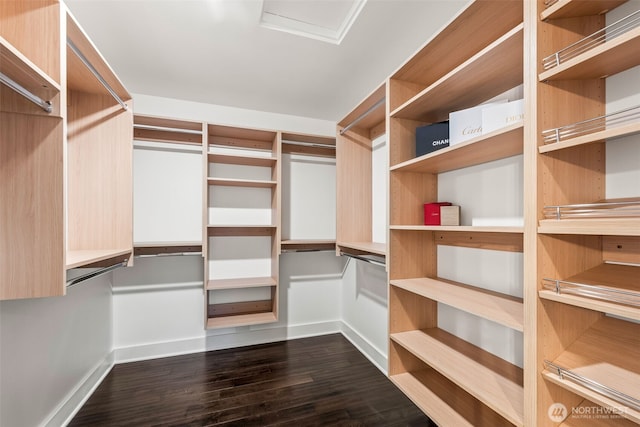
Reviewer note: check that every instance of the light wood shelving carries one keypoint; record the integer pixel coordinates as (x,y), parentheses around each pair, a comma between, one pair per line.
(308,244)
(247,148)
(572,330)
(162,129)
(165,248)
(354,151)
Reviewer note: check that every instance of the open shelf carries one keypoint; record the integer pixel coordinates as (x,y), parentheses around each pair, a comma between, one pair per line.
(470,83)
(240,320)
(496,145)
(606,59)
(609,288)
(503,309)
(607,353)
(592,226)
(600,136)
(491,380)
(251,183)
(240,283)
(80,258)
(240,230)
(228,136)
(314,145)
(308,245)
(244,160)
(575,8)
(160,129)
(368,247)
(459,228)
(165,248)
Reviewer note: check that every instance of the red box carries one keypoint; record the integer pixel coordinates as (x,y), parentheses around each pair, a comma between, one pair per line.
(432,212)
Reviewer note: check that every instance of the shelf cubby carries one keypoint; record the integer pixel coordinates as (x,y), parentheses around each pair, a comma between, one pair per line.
(161,129)
(312,145)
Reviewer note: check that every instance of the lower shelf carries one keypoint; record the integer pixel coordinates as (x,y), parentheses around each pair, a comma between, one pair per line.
(240,320)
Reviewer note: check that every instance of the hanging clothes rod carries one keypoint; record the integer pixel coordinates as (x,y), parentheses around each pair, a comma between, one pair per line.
(168,254)
(310,144)
(363,115)
(168,129)
(307,250)
(11,84)
(361,258)
(95,72)
(95,273)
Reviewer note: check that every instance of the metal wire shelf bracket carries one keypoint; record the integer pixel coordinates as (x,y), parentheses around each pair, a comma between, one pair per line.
(95,273)
(96,74)
(596,124)
(11,84)
(363,115)
(608,33)
(606,391)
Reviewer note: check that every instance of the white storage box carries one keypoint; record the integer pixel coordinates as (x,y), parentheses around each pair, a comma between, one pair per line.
(502,115)
(467,124)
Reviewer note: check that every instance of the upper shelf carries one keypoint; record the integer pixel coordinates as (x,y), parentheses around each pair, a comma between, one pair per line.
(230,136)
(245,160)
(313,145)
(85,258)
(250,183)
(592,226)
(304,245)
(369,115)
(605,59)
(160,129)
(492,71)
(575,8)
(367,247)
(459,228)
(496,145)
(165,248)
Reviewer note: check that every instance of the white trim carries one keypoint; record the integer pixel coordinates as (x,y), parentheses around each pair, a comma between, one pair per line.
(370,351)
(71,404)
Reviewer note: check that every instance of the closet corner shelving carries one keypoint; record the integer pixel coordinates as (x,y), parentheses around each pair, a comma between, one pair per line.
(588,247)
(257,151)
(355,135)
(427,363)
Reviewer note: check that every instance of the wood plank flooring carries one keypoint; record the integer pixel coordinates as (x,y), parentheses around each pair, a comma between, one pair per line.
(319,381)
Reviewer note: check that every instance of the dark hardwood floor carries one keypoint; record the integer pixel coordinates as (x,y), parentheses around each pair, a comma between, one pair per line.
(319,381)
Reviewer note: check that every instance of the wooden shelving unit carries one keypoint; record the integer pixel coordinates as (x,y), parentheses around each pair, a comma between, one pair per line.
(355,135)
(247,148)
(308,244)
(165,248)
(429,364)
(162,129)
(576,273)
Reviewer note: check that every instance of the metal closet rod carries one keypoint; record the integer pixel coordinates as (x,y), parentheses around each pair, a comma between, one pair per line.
(168,129)
(168,254)
(363,115)
(11,84)
(309,144)
(95,72)
(308,250)
(95,273)
(361,258)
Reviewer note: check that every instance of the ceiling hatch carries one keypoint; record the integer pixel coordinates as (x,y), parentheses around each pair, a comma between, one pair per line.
(325,20)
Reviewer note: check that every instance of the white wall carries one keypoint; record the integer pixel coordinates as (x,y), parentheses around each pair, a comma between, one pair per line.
(52,352)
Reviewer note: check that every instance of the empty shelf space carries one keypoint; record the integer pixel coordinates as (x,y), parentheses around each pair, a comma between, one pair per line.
(80,258)
(240,230)
(245,160)
(607,354)
(609,288)
(228,136)
(365,247)
(497,145)
(308,245)
(605,59)
(470,84)
(503,309)
(592,226)
(459,228)
(21,70)
(251,183)
(575,8)
(239,283)
(240,320)
(165,248)
(493,381)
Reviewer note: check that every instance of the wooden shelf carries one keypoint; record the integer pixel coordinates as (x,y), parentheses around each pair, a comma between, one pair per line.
(240,320)
(229,136)
(245,282)
(497,145)
(251,183)
(161,129)
(246,160)
(374,119)
(240,230)
(503,309)
(159,248)
(606,59)
(491,380)
(368,247)
(492,71)
(604,135)
(615,277)
(459,228)
(607,353)
(80,258)
(20,69)
(575,8)
(594,226)
(308,244)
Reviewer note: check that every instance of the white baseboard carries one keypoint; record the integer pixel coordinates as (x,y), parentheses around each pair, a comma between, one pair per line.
(71,404)
(375,356)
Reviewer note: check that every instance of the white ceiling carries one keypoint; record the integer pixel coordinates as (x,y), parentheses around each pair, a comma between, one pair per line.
(215,51)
